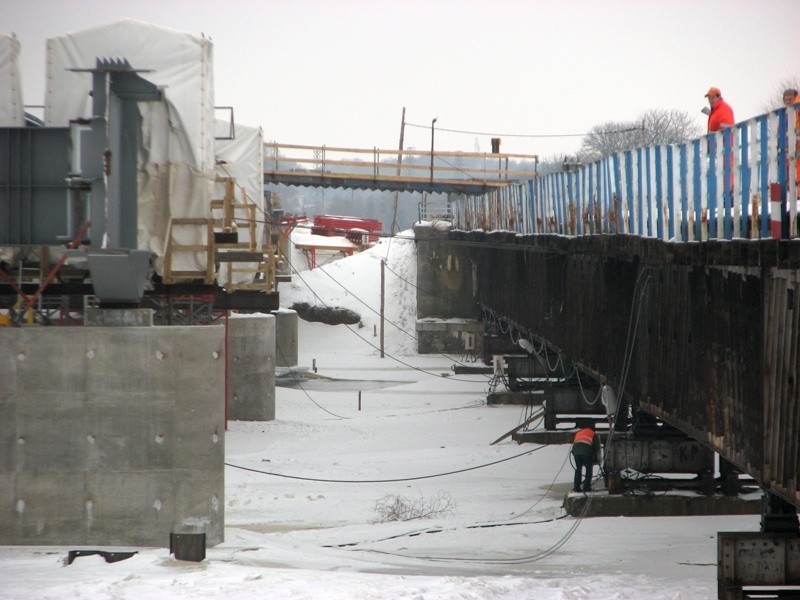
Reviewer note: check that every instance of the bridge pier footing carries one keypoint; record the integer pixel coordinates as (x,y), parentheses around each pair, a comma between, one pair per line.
(767,561)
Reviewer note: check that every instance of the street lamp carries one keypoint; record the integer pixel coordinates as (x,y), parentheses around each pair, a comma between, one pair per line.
(432,124)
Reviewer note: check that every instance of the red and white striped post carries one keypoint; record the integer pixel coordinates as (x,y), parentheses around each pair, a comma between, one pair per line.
(775,202)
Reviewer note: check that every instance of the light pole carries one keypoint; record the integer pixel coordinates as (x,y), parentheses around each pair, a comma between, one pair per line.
(432,130)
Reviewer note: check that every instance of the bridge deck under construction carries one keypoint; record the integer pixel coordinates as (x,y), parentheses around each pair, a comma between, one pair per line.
(468,173)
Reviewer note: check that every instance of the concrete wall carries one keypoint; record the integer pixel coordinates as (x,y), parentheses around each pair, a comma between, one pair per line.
(446,286)
(447,304)
(251,367)
(111,435)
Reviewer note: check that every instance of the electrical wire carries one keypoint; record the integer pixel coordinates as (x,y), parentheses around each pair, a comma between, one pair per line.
(395,480)
(366,341)
(629,346)
(395,325)
(630,342)
(526,135)
(547,491)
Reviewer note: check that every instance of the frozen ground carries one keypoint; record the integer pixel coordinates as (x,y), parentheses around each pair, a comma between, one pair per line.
(303,501)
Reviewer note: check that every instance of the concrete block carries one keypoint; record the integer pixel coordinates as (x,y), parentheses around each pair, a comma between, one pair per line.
(94,420)
(251,367)
(286,345)
(118,317)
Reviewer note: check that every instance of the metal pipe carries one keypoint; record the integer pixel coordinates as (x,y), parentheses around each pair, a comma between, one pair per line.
(432,130)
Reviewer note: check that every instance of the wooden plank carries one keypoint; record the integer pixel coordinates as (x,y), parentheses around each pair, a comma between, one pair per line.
(189,247)
(189,221)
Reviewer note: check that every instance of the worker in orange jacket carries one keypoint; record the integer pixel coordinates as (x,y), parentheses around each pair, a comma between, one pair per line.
(790,98)
(585,451)
(721,114)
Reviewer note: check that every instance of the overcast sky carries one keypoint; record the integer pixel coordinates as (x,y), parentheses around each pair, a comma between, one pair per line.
(339,73)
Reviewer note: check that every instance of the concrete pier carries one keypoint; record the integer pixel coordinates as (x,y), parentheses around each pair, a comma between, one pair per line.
(601,504)
(286,346)
(111,435)
(251,367)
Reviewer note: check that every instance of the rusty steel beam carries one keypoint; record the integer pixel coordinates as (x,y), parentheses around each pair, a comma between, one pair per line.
(705,336)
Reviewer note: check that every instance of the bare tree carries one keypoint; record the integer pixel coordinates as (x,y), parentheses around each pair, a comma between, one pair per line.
(608,138)
(557,163)
(662,126)
(654,127)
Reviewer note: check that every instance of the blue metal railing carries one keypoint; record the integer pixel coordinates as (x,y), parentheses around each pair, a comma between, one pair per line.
(735,183)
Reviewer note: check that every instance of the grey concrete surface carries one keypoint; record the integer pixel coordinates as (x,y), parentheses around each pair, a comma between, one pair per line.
(114,317)
(251,367)
(111,435)
(446,285)
(447,308)
(285,337)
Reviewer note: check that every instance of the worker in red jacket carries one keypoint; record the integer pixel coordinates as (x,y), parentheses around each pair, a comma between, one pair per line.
(721,114)
(791,97)
(585,451)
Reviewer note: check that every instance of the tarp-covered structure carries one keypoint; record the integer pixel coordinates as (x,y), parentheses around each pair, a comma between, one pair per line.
(176,160)
(12,110)
(240,156)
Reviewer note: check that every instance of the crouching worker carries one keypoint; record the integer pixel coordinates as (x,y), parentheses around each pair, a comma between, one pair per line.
(585,451)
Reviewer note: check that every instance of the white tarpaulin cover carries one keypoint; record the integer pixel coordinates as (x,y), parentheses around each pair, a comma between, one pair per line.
(12,110)
(176,154)
(240,155)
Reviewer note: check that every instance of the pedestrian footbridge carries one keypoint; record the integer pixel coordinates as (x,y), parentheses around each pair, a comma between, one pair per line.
(471,173)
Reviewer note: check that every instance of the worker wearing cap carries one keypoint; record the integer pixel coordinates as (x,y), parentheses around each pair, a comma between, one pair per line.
(721,114)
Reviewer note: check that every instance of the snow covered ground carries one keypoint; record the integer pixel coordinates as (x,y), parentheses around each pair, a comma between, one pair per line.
(307,494)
